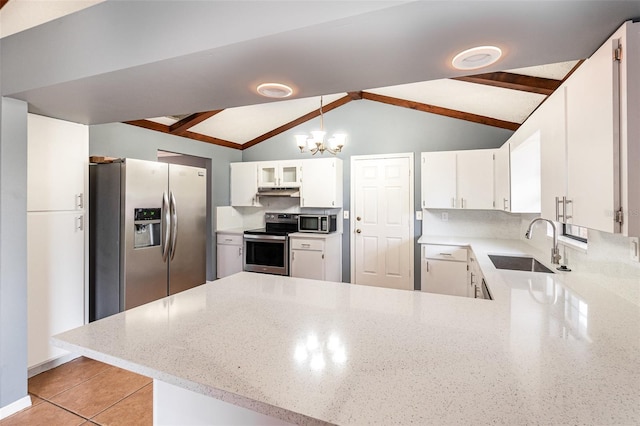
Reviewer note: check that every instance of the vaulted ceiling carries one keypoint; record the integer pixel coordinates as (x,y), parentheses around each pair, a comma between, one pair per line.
(190,68)
(499,99)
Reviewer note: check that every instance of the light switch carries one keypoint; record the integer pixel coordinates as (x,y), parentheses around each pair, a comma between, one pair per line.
(345,214)
(445,217)
(418,214)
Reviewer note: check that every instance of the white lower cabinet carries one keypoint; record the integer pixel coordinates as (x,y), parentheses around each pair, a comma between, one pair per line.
(474,289)
(228,254)
(55,280)
(444,270)
(316,256)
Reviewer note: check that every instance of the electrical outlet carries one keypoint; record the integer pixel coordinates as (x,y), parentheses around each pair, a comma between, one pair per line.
(445,217)
(635,248)
(345,214)
(418,215)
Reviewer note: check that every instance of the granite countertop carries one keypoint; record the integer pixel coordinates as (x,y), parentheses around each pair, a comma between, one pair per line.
(550,349)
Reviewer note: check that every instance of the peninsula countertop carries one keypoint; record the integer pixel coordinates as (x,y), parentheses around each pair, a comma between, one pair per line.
(547,350)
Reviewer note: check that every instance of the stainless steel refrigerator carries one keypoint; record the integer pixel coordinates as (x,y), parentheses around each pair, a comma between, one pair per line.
(147,233)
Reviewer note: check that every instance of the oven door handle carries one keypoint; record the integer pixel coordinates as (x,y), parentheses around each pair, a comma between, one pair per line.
(265,237)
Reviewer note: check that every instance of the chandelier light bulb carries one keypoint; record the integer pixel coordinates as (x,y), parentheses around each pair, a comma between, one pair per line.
(316,142)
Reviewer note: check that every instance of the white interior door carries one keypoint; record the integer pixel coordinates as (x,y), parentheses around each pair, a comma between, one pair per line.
(382,221)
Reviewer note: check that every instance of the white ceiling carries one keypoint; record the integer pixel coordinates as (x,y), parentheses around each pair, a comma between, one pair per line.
(19,15)
(242,124)
(126,60)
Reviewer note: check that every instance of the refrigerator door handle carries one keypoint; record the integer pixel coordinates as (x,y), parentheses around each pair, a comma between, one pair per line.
(174,224)
(166,223)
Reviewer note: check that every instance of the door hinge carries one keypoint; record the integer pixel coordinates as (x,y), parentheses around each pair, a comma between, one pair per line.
(617,53)
(619,216)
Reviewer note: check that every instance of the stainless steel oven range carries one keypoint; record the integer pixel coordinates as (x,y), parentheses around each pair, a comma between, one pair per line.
(267,249)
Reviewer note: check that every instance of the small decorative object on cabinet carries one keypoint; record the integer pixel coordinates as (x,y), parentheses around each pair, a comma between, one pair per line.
(228,254)
(444,270)
(316,256)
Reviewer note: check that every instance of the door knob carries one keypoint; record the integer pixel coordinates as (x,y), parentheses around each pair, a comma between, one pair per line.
(358,218)
(358,231)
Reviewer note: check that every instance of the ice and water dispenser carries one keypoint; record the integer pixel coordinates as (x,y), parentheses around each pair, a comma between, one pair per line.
(147,223)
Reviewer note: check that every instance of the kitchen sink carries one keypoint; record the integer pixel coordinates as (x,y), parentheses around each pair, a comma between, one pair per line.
(518,263)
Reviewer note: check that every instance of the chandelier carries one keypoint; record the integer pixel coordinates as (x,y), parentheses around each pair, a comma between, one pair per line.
(315,143)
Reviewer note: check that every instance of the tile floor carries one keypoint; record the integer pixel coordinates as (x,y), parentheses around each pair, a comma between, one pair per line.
(87,392)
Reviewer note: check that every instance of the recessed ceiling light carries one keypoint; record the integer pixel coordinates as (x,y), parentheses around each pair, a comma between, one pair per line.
(476,57)
(274,90)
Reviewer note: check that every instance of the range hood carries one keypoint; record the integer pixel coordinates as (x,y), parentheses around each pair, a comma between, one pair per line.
(270,191)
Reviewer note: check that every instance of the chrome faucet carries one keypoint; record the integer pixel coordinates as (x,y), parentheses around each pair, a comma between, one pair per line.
(555,253)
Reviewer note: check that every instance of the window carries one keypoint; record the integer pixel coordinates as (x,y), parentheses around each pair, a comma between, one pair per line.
(575,232)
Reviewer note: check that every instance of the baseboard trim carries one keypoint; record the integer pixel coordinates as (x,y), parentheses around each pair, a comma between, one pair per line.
(14,407)
(48,365)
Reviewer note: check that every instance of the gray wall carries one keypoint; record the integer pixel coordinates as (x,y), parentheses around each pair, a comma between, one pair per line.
(13,251)
(123,140)
(376,128)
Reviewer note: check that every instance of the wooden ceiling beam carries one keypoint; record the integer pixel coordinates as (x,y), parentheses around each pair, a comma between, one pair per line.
(507,80)
(186,123)
(290,125)
(152,125)
(460,115)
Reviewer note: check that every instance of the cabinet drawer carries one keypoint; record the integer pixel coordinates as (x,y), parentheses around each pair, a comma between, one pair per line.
(229,239)
(445,252)
(310,244)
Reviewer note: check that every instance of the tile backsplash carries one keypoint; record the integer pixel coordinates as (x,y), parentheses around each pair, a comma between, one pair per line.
(471,223)
(608,256)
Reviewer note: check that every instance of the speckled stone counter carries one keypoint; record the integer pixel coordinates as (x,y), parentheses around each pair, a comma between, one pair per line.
(550,349)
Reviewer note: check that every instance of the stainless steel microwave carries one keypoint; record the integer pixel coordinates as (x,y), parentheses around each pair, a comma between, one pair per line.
(321,223)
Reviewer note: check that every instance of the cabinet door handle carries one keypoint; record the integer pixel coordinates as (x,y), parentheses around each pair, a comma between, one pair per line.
(472,283)
(423,203)
(79,223)
(445,254)
(293,256)
(565,201)
(558,209)
(80,201)
(461,203)
(240,251)
(427,266)
(504,204)
(306,245)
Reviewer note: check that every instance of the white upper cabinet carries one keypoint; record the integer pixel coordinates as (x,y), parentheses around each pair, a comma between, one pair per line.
(501,179)
(525,175)
(553,153)
(279,173)
(244,185)
(475,179)
(593,141)
(321,183)
(58,156)
(438,171)
(457,179)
